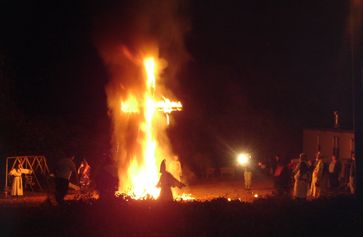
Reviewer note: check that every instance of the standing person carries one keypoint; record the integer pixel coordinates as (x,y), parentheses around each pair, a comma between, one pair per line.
(284,179)
(246,162)
(247,174)
(317,176)
(301,177)
(352,174)
(64,170)
(84,173)
(334,171)
(277,169)
(166,182)
(17,185)
(274,163)
(291,166)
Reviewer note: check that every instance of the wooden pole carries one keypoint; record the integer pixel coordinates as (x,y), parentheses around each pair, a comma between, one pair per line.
(357,74)
(6,177)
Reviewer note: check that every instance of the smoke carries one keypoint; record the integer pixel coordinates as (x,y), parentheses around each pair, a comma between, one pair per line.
(124,34)
(156,26)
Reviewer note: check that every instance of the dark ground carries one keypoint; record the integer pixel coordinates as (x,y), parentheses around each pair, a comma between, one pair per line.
(267,216)
(341,216)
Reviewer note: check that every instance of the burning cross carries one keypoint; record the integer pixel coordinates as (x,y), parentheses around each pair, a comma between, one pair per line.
(165,105)
(143,172)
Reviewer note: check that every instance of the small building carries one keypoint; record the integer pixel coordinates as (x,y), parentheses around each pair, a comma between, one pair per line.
(339,142)
(334,141)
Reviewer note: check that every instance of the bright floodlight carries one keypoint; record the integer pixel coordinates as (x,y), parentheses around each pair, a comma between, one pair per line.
(243,158)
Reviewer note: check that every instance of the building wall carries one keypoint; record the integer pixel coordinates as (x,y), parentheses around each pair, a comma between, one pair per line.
(328,142)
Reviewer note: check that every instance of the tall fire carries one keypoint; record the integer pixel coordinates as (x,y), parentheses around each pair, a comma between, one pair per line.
(146,112)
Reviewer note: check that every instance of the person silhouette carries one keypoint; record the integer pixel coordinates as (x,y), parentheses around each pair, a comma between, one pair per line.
(63,172)
(166,182)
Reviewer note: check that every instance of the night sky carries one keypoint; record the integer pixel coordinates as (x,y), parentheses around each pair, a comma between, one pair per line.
(258,73)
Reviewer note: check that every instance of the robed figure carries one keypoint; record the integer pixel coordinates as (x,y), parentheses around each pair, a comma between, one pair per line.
(316,179)
(302,179)
(84,173)
(166,182)
(17,185)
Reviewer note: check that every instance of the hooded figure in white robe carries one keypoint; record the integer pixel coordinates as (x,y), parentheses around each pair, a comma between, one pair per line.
(302,179)
(17,185)
(316,179)
(166,182)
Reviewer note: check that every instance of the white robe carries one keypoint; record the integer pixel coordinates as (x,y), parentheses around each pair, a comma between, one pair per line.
(316,179)
(248,178)
(301,184)
(17,185)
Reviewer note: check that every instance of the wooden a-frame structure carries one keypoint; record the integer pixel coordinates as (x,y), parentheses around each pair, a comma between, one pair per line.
(37,164)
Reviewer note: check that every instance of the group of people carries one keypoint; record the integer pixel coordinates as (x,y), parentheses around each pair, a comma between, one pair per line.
(307,178)
(105,180)
(304,179)
(64,169)
(311,177)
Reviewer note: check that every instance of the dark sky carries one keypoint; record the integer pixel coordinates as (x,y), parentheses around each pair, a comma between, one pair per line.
(260,72)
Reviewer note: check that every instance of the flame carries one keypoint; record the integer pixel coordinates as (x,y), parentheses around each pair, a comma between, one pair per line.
(168,106)
(130,105)
(143,169)
(150,68)
(185,197)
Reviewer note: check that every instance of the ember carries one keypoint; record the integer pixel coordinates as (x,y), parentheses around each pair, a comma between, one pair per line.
(185,197)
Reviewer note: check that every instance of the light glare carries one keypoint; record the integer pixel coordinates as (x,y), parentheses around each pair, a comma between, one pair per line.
(243,158)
